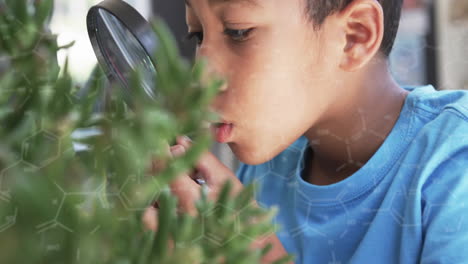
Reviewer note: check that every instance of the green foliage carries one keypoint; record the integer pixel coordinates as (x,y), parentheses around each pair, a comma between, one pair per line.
(62,206)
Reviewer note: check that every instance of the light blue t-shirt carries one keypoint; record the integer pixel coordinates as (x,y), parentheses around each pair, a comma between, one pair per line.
(407,204)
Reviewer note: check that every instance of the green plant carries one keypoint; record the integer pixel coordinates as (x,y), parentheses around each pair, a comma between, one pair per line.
(60,206)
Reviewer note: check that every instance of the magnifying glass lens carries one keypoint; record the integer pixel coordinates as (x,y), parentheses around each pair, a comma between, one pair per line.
(124,53)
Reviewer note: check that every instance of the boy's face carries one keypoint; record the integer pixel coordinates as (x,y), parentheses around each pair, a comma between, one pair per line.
(280,76)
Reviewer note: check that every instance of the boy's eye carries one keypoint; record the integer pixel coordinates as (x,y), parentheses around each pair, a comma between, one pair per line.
(197,35)
(238,34)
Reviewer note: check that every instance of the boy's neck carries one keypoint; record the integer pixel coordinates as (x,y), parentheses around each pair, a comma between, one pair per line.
(356,127)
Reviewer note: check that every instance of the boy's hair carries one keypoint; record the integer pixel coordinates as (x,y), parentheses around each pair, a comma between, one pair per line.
(319,10)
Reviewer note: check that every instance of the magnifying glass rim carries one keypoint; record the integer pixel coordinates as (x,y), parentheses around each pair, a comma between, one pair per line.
(134,22)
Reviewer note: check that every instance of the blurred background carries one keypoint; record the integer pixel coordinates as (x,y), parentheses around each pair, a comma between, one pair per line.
(431,47)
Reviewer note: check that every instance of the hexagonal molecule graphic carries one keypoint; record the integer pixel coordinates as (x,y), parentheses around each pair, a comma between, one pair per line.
(270,231)
(48,141)
(8,214)
(284,162)
(128,195)
(220,239)
(8,211)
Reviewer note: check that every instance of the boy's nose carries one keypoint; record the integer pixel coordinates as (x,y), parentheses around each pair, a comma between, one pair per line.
(213,67)
(210,73)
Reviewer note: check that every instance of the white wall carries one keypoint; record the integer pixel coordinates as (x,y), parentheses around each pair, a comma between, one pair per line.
(452,45)
(69,22)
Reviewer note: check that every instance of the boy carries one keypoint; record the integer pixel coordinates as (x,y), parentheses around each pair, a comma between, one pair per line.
(362,170)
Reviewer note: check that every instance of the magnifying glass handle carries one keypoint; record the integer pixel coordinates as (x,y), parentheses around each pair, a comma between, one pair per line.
(198,178)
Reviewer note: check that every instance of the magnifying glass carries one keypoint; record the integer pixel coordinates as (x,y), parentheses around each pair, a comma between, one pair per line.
(123,41)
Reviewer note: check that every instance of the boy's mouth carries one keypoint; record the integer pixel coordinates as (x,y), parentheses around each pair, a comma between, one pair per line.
(222,131)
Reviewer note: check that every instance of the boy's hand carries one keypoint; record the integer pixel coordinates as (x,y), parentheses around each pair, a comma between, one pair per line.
(215,174)
(185,187)
(208,168)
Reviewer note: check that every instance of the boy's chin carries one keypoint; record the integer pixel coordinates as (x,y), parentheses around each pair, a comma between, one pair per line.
(249,157)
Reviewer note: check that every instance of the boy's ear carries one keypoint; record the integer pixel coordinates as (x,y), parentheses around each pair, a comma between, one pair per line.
(363,24)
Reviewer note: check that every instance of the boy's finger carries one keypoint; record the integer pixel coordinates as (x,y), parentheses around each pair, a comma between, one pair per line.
(213,170)
(150,222)
(158,165)
(186,190)
(208,164)
(150,218)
